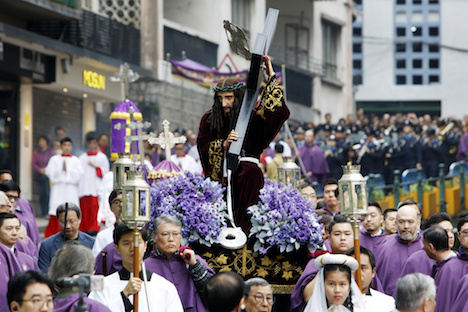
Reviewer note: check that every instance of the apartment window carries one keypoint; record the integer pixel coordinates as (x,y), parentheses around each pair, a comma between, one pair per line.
(357,47)
(357,31)
(417,79)
(297,45)
(417,1)
(417,31)
(433,1)
(357,64)
(433,31)
(417,63)
(400,80)
(433,63)
(417,46)
(433,48)
(401,31)
(241,14)
(400,1)
(401,63)
(433,78)
(400,47)
(330,36)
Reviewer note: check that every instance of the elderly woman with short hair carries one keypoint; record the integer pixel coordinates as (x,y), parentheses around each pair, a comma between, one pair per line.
(187,271)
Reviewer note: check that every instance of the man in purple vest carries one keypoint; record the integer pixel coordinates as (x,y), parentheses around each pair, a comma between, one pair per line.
(371,234)
(461,300)
(314,161)
(29,291)
(422,262)
(180,266)
(437,246)
(389,221)
(450,274)
(395,250)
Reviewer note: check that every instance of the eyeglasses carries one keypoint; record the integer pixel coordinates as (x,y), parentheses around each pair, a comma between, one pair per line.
(166,235)
(309,196)
(116,202)
(39,303)
(260,298)
(71,221)
(464,233)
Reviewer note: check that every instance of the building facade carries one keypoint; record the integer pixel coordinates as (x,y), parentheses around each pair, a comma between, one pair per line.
(409,56)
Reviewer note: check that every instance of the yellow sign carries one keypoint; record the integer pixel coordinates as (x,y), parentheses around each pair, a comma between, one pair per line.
(94,80)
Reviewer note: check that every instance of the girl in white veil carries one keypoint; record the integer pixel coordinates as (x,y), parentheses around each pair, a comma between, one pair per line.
(335,289)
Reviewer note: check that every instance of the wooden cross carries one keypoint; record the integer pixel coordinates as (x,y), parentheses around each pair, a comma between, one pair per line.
(137,135)
(167,140)
(125,76)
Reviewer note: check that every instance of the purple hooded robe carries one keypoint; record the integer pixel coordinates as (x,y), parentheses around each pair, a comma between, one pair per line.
(25,214)
(175,271)
(69,303)
(9,266)
(315,162)
(370,242)
(446,281)
(113,261)
(390,258)
(418,262)
(461,299)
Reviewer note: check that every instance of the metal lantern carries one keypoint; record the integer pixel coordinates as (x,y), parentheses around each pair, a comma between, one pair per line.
(353,194)
(121,167)
(135,200)
(289,173)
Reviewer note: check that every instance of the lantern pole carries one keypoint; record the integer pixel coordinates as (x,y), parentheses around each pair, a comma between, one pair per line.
(353,200)
(136,262)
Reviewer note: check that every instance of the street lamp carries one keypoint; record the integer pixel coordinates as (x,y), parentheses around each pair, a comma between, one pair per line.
(353,200)
(289,173)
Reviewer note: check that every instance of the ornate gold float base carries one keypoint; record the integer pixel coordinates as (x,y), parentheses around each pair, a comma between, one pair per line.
(281,270)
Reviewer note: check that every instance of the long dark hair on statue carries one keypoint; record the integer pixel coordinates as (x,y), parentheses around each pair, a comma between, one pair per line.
(220,122)
(343,268)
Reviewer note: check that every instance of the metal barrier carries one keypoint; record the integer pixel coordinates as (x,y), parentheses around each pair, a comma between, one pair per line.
(414,181)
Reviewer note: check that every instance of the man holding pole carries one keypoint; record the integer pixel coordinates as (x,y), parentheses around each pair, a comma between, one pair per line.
(162,295)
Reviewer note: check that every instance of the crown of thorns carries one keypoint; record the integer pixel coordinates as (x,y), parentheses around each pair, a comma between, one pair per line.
(237,86)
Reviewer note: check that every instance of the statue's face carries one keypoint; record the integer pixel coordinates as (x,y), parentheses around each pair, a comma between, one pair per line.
(227,100)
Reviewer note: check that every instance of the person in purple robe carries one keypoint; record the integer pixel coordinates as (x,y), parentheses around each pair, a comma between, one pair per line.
(371,234)
(70,260)
(449,275)
(314,161)
(461,299)
(420,261)
(216,133)
(10,227)
(180,266)
(331,197)
(26,245)
(9,266)
(437,247)
(462,152)
(40,159)
(341,240)
(29,291)
(22,208)
(108,261)
(395,250)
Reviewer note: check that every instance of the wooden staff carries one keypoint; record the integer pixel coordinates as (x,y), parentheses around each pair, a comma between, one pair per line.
(357,252)
(136,263)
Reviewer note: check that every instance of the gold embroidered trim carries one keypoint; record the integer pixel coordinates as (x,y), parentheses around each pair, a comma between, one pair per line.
(272,97)
(215,157)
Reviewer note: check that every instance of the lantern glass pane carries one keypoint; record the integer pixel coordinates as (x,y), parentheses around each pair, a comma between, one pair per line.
(142,196)
(357,200)
(346,199)
(125,175)
(117,176)
(129,208)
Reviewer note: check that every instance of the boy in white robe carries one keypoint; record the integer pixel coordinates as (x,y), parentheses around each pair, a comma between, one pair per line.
(95,165)
(64,171)
(120,286)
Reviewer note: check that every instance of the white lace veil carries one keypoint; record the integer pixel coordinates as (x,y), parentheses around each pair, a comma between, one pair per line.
(318,301)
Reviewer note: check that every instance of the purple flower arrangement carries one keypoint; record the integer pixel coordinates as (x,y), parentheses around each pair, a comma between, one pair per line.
(283,219)
(196,201)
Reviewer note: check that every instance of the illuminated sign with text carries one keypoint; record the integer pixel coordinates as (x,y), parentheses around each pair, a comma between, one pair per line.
(94,80)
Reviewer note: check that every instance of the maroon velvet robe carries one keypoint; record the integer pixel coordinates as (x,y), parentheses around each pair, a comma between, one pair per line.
(265,123)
